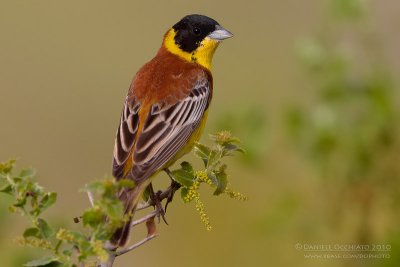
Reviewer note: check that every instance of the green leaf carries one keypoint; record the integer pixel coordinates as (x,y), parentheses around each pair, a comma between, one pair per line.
(185,175)
(93,217)
(20,202)
(233,148)
(48,200)
(213,178)
(146,194)
(6,189)
(113,209)
(27,173)
(32,232)
(6,167)
(222,178)
(214,159)
(43,262)
(184,192)
(17,180)
(85,250)
(97,186)
(67,252)
(187,167)
(45,228)
(202,152)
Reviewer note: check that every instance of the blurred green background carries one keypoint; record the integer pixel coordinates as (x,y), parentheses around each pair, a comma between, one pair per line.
(309,87)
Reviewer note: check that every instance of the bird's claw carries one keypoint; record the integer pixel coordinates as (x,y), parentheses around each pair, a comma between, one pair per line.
(160,212)
(173,188)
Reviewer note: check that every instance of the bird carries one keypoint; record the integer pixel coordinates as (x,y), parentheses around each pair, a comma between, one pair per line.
(165,109)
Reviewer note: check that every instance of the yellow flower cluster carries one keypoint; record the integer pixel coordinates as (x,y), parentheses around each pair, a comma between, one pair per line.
(192,192)
(203,216)
(235,195)
(64,235)
(99,250)
(202,176)
(224,136)
(33,242)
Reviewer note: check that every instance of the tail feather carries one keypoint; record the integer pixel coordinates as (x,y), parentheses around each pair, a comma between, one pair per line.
(130,198)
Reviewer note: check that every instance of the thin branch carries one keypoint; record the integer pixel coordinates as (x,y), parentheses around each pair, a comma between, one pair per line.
(144,219)
(111,248)
(91,198)
(143,205)
(136,245)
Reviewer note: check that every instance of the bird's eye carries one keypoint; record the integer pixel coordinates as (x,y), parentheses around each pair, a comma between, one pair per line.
(196,31)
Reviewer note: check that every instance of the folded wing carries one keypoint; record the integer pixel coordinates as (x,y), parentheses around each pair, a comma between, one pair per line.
(165,132)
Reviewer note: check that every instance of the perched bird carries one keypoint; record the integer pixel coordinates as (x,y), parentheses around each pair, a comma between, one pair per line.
(166,108)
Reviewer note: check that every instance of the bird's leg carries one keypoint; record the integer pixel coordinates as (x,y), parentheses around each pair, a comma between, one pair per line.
(173,188)
(156,199)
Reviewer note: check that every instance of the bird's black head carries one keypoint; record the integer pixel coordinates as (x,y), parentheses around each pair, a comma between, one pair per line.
(191,30)
(195,39)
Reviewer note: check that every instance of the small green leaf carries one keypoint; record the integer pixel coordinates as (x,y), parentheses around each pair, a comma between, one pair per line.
(222,178)
(184,192)
(96,186)
(146,194)
(85,250)
(43,262)
(45,228)
(93,217)
(48,200)
(113,209)
(27,173)
(67,252)
(202,152)
(233,148)
(183,177)
(17,179)
(32,232)
(20,202)
(214,159)
(213,178)
(6,167)
(186,166)
(6,189)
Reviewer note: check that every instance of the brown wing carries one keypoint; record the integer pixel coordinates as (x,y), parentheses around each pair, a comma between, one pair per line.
(125,137)
(165,131)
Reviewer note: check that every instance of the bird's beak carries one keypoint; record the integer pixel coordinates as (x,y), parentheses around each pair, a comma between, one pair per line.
(220,34)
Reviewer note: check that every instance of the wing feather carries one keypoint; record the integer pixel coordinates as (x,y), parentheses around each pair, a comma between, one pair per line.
(125,136)
(175,124)
(165,131)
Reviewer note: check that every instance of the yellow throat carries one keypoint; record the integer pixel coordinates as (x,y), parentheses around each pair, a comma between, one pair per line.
(202,55)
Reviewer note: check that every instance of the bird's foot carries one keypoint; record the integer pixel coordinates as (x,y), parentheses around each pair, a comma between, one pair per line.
(172,188)
(156,200)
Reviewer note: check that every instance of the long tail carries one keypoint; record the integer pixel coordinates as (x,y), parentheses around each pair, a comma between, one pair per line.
(130,198)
